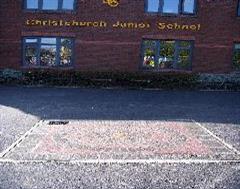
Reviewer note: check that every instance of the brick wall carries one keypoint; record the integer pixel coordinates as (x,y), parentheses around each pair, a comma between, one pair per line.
(119,49)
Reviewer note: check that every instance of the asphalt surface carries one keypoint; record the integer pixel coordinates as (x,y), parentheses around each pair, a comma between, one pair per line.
(22,108)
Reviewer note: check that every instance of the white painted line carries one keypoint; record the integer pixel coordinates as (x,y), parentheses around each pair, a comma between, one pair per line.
(122,161)
(218,138)
(21,139)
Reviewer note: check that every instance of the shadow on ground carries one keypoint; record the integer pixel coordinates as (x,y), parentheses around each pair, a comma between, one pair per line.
(97,104)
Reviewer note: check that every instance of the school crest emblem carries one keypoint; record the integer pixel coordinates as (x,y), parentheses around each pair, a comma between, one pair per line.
(111,3)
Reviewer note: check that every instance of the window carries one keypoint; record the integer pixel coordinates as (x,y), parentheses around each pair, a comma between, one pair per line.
(188,6)
(171,6)
(47,51)
(68,4)
(49,4)
(153,6)
(238,8)
(32,4)
(236,57)
(167,54)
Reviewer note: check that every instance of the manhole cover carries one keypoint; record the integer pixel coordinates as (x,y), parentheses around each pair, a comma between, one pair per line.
(58,122)
(78,140)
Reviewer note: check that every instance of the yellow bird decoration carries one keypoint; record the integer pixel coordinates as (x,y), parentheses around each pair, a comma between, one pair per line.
(111,3)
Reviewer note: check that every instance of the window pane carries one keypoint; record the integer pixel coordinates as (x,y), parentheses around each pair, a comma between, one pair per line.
(167,51)
(188,6)
(32,4)
(65,56)
(153,5)
(149,53)
(31,40)
(65,52)
(68,4)
(238,8)
(66,42)
(170,6)
(237,46)
(236,60)
(184,59)
(31,55)
(47,55)
(49,40)
(184,44)
(50,4)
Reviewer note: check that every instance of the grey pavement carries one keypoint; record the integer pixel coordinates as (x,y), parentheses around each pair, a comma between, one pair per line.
(21,108)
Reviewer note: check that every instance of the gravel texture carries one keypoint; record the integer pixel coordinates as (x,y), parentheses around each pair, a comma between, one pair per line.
(21,108)
(135,176)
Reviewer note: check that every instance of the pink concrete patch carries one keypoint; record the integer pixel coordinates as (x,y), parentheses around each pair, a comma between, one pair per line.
(145,139)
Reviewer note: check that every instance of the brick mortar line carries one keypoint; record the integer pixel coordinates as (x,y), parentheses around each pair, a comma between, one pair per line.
(20,140)
(217,138)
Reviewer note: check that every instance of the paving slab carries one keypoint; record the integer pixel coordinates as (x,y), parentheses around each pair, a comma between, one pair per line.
(121,140)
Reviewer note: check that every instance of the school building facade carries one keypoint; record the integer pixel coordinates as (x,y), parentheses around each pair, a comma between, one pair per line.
(196,36)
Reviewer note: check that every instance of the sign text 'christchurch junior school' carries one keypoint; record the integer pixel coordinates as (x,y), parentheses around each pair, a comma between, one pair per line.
(117,25)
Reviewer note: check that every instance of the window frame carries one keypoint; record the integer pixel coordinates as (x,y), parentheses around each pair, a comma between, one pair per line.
(176,55)
(180,9)
(59,9)
(38,44)
(238,8)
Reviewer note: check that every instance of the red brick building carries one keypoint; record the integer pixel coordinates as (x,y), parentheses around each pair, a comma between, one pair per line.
(121,35)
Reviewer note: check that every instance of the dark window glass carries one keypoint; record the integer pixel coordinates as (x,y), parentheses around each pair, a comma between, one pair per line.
(167,54)
(48,55)
(65,52)
(184,44)
(31,51)
(150,47)
(171,6)
(31,55)
(183,61)
(184,55)
(236,56)
(48,51)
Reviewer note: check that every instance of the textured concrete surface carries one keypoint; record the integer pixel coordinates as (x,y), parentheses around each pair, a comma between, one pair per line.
(121,140)
(22,108)
(13,124)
